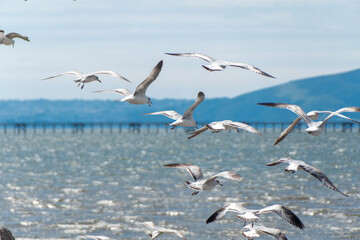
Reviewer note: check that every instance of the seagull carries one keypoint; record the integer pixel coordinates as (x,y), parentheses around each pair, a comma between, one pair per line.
(139,96)
(83,78)
(220,65)
(185,121)
(201,183)
(157,231)
(252,231)
(216,127)
(314,128)
(313,115)
(8,38)
(252,215)
(295,165)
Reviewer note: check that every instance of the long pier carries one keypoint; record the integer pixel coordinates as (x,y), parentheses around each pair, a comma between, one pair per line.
(136,127)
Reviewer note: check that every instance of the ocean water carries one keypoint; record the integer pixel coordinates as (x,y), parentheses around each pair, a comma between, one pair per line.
(63,186)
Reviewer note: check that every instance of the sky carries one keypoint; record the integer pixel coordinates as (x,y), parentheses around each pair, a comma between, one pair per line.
(288,39)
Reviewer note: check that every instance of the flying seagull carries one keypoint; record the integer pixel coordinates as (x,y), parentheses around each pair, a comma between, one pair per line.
(252,215)
(139,96)
(216,127)
(8,38)
(253,231)
(295,165)
(83,78)
(157,231)
(313,115)
(187,120)
(314,128)
(202,183)
(220,65)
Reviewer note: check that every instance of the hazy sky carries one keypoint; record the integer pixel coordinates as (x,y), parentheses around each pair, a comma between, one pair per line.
(288,39)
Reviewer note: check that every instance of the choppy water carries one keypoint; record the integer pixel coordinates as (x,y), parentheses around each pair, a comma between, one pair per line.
(64,186)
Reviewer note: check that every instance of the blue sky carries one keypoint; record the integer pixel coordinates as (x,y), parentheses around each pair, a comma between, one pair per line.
(288,39)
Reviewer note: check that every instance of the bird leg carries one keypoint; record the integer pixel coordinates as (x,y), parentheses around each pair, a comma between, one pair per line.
(82,86)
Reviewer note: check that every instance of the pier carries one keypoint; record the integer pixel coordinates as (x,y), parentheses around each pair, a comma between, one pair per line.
(136,127)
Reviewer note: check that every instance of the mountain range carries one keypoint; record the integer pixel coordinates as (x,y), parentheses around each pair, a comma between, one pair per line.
(328,92)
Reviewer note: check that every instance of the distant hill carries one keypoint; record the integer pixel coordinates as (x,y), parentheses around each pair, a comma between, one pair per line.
(329,92)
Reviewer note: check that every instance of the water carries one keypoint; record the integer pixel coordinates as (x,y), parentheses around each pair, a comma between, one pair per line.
(58,186)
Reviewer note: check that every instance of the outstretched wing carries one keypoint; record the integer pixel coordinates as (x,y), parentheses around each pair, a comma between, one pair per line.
(284,213)
(16,35)
(189,112)
(123,91)
(294,108)
(250,67)
(110,73)
(232,207)
(149,224)
(194,55)
(141,89)
(345,109)
(228,175)
(321,177)
(193,170)
(75,73)
(282,160)
(170,114)
(197,132)
(242,126)
(286,132)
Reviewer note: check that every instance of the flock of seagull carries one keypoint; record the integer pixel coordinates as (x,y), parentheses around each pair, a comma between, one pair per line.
(249,231)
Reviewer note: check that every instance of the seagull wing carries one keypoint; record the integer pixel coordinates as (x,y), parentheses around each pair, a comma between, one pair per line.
(294,108)
(149,224)
(123,91)
(242,126)
(170,114)
(321,177)
(232,207)
(189,112)
(345,109)
(271,231)
(337,114)
(141,89)
(284,213)
(282,160)
(75,73)
(193,170)
(249,67)
(194,55)
(228,175)
(97,237)
(197,132)
(286,132)
(16,35)
(110,73)
(176,232)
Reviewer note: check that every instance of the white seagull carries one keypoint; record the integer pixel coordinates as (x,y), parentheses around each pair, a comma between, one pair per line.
(83,78)
(216,127)
(187,120)
(313,115)
(8,38)
(314,128)
(295,165)
(139,96)
(157,231)
(252,215)
(202,183)
(220,65)
(253,231)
